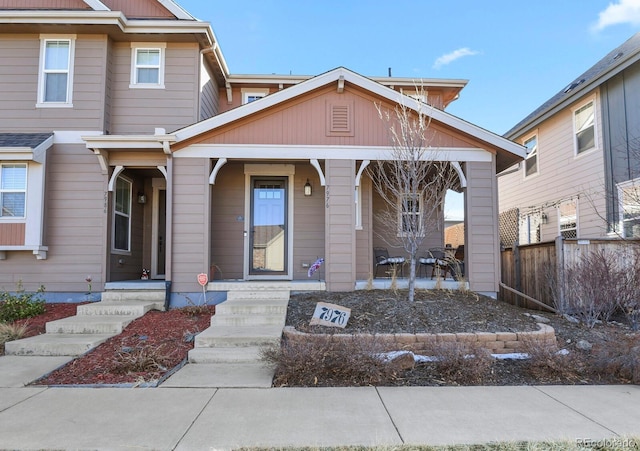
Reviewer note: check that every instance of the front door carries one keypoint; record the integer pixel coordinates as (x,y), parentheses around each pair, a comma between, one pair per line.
(159,229)
(268,234)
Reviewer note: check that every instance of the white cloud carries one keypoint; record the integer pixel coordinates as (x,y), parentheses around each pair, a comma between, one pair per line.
(451,57)
(625,11)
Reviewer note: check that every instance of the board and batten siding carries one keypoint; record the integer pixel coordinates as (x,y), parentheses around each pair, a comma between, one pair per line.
(340,225)
(141,9)
(190,229)
(561,175)
(20,56)
(44,4)
(482,244)
(139,110)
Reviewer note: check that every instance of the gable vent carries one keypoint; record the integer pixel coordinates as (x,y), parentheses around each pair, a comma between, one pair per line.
(340,119)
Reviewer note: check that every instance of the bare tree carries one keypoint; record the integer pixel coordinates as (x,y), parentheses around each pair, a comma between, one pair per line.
(412,181)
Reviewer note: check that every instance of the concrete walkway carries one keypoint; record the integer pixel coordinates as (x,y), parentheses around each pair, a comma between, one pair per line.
(196,418)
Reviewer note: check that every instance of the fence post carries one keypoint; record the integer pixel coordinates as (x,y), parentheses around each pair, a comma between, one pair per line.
(517,270)
(560,274)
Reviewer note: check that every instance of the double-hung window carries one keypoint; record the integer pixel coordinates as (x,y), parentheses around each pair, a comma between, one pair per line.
(147,65)
(531,162)
(568,219)
(629,198)
(55,85)
(410,215)
(584,128)
(122,216)
(13,190)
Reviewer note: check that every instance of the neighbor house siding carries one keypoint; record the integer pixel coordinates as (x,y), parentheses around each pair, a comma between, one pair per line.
(340,225)
(208,93)
(140,111)
(20,55)
(191,212)
(482,265)
(561,175)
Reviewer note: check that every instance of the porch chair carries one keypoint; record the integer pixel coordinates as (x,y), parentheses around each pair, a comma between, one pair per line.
(436,259)
(382,259)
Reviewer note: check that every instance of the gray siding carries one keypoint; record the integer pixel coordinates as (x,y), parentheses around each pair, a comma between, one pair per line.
(139,111)
(209,96)
(20,56)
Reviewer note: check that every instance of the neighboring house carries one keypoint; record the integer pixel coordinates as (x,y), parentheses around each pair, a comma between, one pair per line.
(126,143)
(582,172)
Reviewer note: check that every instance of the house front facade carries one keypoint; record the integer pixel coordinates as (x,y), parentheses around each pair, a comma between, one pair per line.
(581,175)
(127,144)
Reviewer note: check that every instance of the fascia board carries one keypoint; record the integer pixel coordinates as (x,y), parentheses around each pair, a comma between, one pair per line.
(127,141)
(359,80)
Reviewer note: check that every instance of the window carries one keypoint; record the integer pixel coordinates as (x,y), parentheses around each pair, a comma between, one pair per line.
(251,95)
(410,215)
(122,216)
(629,198)
(147,65)
(568,219)
(529,228)
(56,71)
(13,190)
(531,163)
(584,128)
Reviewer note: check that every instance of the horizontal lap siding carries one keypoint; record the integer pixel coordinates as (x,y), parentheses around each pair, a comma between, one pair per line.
(142,110)
(482,246)
(208,94)
(75,218)
(20,55)
(190,241)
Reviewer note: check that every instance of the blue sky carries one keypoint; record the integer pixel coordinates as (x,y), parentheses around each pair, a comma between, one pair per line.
(516,54)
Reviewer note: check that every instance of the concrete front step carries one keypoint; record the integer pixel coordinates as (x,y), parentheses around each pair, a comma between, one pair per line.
(228,336)
(125,308)
(55,344)
(157,296)
(252,307)
(261,295)
(248,320)
(89,324)
(249,354)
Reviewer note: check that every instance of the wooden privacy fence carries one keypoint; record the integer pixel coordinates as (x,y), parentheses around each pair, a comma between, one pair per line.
(534,269)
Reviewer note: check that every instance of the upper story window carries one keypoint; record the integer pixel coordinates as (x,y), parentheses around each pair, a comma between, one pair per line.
(568,219)
(629,198)
(531,162)
(122,215)
(251,95)
(584,128)
(55,82)
(13,190)
(147,65)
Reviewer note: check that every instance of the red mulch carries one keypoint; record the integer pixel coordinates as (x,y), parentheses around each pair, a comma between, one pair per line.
(164,337)
(52,313)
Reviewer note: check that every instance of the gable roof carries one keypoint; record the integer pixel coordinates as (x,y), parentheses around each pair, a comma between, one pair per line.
(613,63)
(514,152)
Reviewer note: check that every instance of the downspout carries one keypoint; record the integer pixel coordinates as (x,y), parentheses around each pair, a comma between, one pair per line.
(169,231)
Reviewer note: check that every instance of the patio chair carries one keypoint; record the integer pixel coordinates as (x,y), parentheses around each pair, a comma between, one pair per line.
(436,259)
(382,259)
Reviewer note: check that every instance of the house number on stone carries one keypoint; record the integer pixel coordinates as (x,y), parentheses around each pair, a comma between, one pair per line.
(330,315)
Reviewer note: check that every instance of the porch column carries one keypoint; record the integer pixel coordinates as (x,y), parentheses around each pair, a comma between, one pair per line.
(340,236)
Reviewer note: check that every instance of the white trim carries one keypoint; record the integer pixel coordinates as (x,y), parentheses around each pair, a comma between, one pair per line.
(575,203)
(365,83)
(127,141)
(176,10)
(275,170)
(25,191)
(304,152)
(461,176)
(37,154)
(96,5)
(596,143)
(128,216)
(157,184)
(161,47)
(363,166)
(112,181)
(316,165)
(68,102)
(635,184)
(74,136)
(214,173)
(256,92)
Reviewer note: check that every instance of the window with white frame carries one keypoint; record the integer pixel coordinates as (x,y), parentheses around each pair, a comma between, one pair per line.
(584,128)
(251,95)
(147,65)
(629,198)
(13,190)
(122,215)
(410,215)
(55,83)
(529,228)
(531,162)
(568,219)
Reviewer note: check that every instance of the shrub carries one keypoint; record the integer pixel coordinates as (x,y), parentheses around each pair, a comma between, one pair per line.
(20,305)
(461,363)
(321,361)
(545,363)
(142,359)
(10,332)
(619,358)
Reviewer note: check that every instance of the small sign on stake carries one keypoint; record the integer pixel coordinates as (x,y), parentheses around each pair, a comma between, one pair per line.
(330,315)
(202,279)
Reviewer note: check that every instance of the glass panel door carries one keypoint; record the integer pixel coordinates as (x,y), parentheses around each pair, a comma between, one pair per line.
(268,232)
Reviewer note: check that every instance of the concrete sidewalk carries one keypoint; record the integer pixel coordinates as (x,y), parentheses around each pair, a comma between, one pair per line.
(169,418)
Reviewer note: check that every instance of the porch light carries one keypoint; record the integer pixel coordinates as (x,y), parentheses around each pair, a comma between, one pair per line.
(307,188)
(142,199)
